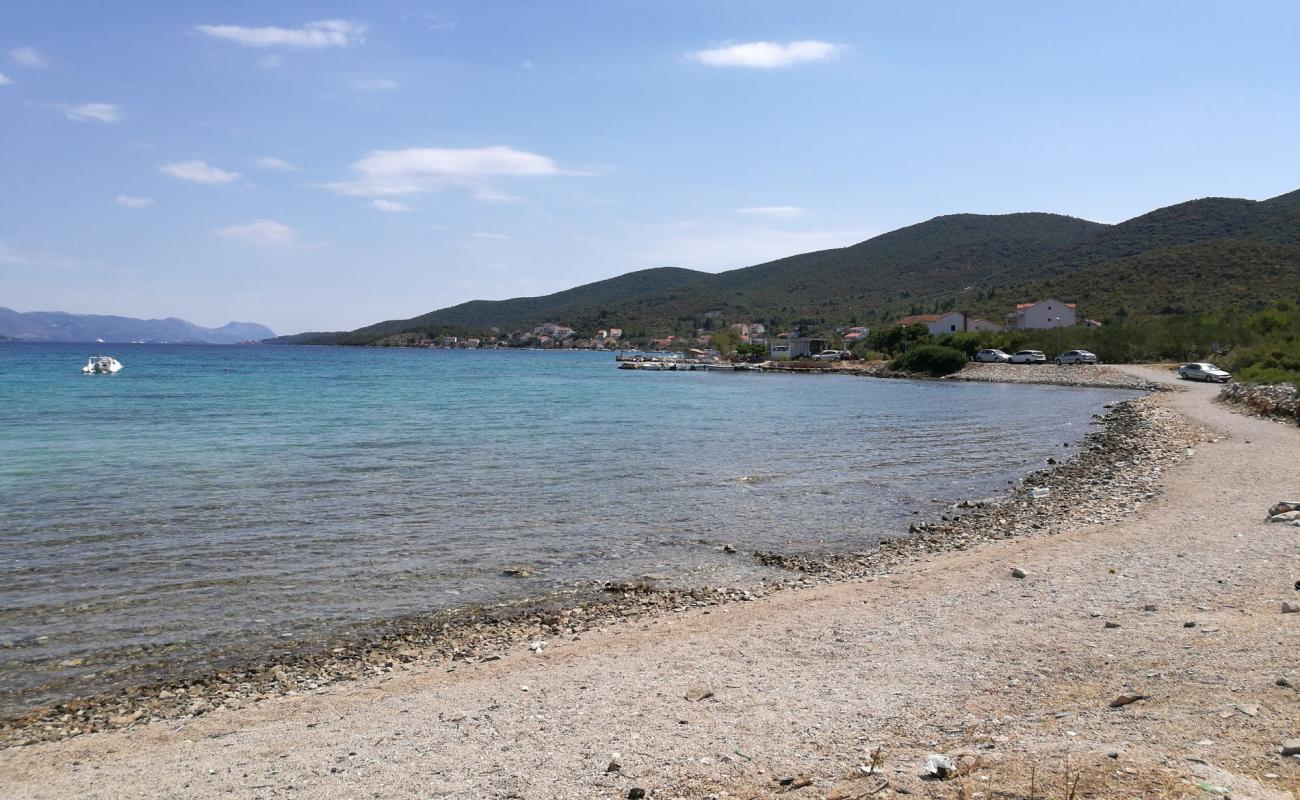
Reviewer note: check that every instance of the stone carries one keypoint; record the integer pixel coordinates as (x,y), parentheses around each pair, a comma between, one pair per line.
(1149,607)
(1017,572)
(728,548)
(1109,624)
(1249,709)
(938,767)
(1283,682)
(1189,624)
(1285,516)
(1128,698)
(1290,607)
(697,693)
(518,571)
(613,766)
(635,793)
(1291,747)
(537,647)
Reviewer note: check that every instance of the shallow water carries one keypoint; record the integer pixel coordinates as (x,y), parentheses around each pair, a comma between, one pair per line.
(208,502)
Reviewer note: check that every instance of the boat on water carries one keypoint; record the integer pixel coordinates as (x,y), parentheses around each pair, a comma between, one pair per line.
(101,365)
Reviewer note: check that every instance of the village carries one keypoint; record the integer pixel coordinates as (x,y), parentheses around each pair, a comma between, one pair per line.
(753,337)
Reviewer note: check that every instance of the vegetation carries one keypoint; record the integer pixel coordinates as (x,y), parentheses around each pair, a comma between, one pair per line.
(1168,284)
(1263,347)
(930,359)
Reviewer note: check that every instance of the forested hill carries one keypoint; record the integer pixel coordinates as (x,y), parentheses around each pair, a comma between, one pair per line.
(1192,256)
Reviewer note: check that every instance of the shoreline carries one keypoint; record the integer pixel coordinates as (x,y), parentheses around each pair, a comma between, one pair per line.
(1147,437)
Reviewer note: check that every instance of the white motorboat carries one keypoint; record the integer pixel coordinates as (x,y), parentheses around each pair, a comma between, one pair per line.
(101,365)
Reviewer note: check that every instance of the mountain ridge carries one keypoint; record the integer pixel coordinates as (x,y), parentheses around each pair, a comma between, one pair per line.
(63,326)
(978,263)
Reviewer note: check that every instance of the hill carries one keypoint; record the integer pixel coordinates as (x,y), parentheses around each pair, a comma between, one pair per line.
(1193,256)
(60,326)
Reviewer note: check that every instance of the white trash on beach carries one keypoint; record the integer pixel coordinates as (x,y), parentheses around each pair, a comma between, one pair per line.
(1039,492)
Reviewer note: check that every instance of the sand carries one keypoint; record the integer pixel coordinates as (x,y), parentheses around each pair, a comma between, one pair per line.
(949,654)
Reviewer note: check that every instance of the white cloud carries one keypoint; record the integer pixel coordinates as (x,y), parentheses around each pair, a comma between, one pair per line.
(427,169)
(767,55)
(324,33)
(373,84)
(197,171)
(133,202)
(28,57)
(98,112)
(390,205)
(270,62)
(773,212)
(492,236)
(275,164)
(4,79)
(13,257)
(263,231)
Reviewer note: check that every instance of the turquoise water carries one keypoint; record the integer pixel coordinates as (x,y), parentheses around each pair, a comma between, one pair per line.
(207,503)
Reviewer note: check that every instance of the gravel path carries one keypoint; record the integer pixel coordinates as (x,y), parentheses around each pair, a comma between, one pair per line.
(1099,375)
(950,653)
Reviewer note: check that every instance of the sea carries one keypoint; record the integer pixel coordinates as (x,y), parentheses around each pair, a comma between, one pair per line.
(211,504)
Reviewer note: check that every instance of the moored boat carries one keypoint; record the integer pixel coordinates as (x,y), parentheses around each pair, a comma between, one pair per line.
(101,365)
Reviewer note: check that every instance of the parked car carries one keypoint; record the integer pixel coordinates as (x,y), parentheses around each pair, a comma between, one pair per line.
(1029,357)
(992,357)
(1201,371)
(827,355)
(1076,357)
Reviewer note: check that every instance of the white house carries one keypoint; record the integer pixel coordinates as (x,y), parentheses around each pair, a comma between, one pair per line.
(952,322)
(1049,313)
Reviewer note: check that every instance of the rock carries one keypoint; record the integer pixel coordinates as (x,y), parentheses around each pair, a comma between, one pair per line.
(1283,682)
(1112,754)
(537,647)
(1290,607)
(1291,747)
(697,693)
(613,766)
(635,793)
(1284,507)
(1249,709)
(938,767)
(1149,607)
(728,548)
(1189,624)
(1285,516)
(795,783)
(1109,624)
(1128,698)
(1017,572)
(518,571)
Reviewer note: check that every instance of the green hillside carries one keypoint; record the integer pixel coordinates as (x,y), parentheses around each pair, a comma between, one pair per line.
(1195,256)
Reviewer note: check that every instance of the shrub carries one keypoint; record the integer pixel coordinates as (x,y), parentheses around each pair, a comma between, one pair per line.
(931,359)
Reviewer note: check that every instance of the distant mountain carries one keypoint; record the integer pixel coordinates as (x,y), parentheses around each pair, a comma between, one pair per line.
(59,326)
(1192,256)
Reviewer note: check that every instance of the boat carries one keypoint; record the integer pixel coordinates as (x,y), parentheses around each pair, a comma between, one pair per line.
(101,365)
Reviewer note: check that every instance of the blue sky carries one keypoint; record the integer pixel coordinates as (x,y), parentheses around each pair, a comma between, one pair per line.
(320,166)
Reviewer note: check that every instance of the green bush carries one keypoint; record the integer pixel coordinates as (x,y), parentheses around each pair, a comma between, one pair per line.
(931,359)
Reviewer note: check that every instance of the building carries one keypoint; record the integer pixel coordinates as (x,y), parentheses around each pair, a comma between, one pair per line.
(1049,313)
(855,334)
(952,322)
(782,349)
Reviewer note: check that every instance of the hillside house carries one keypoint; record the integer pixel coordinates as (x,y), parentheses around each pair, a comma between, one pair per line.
(1049,313)
(952,322)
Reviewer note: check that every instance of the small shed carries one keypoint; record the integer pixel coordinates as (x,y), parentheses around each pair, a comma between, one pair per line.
(782,349)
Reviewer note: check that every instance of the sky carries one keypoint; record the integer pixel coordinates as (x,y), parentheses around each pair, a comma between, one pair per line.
(322,166)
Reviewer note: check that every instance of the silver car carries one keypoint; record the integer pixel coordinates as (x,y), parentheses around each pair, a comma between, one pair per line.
(1202,371)
(1029,357)
(993,356)
(1076,357)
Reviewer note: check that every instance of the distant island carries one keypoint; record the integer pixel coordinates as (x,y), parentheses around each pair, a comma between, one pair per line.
(60,326)
(1212,254)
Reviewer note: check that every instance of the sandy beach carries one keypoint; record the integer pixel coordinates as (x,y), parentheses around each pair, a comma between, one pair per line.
(1177,604)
